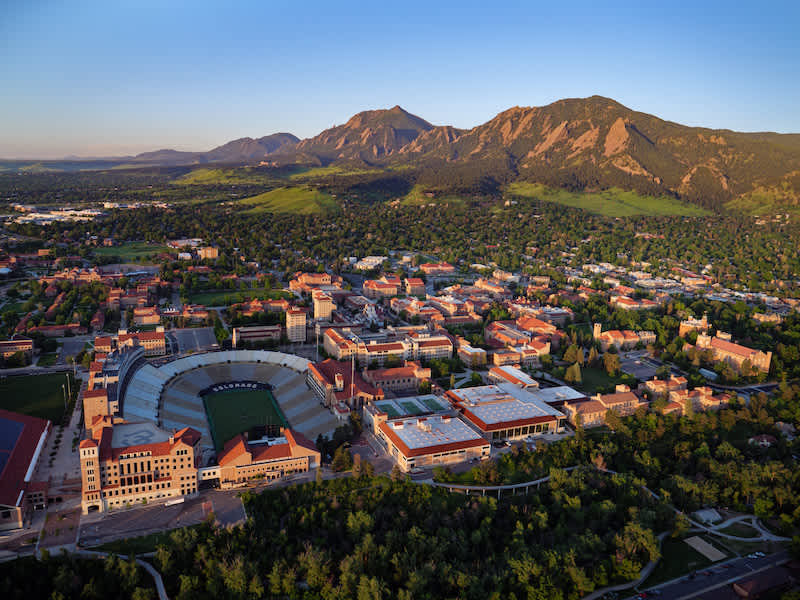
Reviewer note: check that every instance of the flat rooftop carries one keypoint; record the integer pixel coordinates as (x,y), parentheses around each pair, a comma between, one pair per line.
(504,403)
(515,373)
(430,432)
(557,394)
(137,434)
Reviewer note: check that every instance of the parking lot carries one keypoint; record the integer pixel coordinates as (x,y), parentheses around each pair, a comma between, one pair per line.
(193,339)
(639,364)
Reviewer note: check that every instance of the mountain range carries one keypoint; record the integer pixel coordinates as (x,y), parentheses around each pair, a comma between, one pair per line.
(581,143)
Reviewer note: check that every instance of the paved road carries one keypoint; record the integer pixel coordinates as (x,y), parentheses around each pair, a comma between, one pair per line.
(717,576)
(99,528)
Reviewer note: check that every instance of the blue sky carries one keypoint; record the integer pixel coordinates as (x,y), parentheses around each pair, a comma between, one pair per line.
(109,78)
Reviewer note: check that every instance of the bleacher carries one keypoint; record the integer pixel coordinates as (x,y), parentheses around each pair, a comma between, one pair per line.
(169,395)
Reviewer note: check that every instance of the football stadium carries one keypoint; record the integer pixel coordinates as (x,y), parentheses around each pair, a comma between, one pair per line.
(222,394)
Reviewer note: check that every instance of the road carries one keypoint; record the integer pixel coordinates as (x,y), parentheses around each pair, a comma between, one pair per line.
(720,575)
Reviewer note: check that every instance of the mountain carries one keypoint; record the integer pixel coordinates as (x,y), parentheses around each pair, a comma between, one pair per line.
(369,136)
(578,143)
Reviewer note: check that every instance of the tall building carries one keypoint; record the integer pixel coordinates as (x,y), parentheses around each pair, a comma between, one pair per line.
(123,463)
(323,305)
(296,325)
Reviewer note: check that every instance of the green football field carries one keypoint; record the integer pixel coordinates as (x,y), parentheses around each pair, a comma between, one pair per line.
(236,411)
(36,395)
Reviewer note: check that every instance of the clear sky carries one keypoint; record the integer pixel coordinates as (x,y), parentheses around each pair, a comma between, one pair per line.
(95,78)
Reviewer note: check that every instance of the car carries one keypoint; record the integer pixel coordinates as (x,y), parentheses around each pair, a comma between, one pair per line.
(416,470)
(760,554)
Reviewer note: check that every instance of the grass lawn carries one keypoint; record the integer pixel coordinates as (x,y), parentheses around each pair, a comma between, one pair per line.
(302,200)
(35,395)
(228,297)
(11,306)
(208,176)
(612,203)
(136,545)
(233,412)
(740,530)
(48,360)
(593,378)
(329,171)
(418,196)
(131,251)
(677,558)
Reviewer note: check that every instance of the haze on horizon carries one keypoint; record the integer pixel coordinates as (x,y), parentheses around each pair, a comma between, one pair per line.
(110,79)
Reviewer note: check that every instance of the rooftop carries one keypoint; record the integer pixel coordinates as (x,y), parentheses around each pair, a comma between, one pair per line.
(499,405)
(431,432)
(137,434)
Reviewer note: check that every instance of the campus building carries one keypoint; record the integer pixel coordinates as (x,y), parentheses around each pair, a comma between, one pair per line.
(296,325)
(335,382)
(723,349)
(17,344)
(124,463)
(22,440)
(592,413)
(323,305)
(242,336)
(242,461)
(398,379)
(433,440)
(505,411)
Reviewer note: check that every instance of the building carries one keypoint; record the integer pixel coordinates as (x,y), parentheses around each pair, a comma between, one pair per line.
(592,413)
(96,404)
(335,382)
(441,268)
(375,289)
(659,388)
(153,342)
(323,305)
(505,411)
(434,440)
(208,253)
(21,445)
(508,374)
(125,463)
(398,379)
(473,357)
(242,461)
(429,346)
(296,325)
(621,340)
(17,344)
(692,324)
(723,349)
(242,336)
(700,399)
(148,315)
(415,286)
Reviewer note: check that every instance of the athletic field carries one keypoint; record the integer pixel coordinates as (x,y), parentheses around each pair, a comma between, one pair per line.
(235,411)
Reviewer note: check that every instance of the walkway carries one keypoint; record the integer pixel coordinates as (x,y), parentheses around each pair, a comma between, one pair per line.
(162,592)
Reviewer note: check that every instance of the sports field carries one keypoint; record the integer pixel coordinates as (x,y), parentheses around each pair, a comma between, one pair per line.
(236,411)
(35,395)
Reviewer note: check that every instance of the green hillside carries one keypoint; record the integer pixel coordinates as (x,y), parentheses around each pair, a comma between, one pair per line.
(302,200)
(612,203)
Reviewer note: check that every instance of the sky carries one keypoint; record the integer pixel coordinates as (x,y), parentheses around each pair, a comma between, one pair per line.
(113,78)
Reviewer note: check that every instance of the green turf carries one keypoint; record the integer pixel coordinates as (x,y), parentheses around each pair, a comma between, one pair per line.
(233,412)
(303,200)
(35,395)
(389,410)
(765,202)
(12,307)
(227,297)
(613,202)
(431,404)
(411,408)
(418,196)
(132,251)
(740,530)
(593,378)
(677,559)
(47,360)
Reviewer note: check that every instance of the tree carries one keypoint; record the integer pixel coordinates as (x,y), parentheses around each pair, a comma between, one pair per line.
(573,374)
(611,363)
(571,354)
(593,356)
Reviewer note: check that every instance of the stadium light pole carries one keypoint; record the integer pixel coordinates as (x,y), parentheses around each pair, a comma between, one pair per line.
(69,387)
(64,392)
